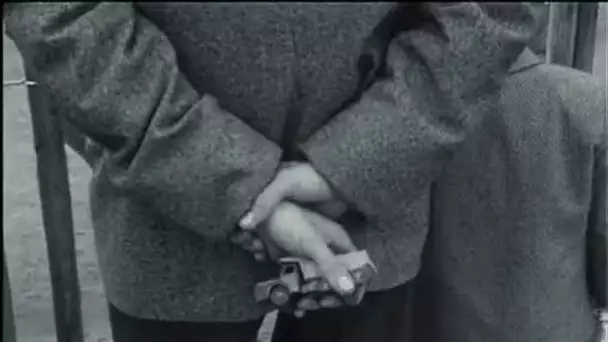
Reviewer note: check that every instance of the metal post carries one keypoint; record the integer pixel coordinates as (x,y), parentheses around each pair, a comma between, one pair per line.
(571,34)
(562,32)
(57,214)
(539,41)
(584,42)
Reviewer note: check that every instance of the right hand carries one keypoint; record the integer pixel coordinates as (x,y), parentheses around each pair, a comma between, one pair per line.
(303,233)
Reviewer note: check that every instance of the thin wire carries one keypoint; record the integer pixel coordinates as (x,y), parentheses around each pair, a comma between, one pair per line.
(19,83)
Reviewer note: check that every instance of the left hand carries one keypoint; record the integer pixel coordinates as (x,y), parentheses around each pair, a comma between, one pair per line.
(309,302)
(305,234)
(296,181)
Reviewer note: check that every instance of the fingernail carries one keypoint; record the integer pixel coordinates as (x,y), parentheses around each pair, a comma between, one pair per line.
(246,221)
(346,284)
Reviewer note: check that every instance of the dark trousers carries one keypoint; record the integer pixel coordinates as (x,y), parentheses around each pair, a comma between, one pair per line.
(126,328)
(381,317)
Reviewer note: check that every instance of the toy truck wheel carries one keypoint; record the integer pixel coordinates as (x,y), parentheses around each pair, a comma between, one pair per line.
(279,295)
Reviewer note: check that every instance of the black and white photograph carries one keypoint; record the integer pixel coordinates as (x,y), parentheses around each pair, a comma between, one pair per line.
(305,171)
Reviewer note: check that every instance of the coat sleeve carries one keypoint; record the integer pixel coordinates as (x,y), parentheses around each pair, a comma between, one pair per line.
(114,75)
(393,143)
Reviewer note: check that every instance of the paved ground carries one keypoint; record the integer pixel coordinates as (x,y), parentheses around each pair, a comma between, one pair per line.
(23,236)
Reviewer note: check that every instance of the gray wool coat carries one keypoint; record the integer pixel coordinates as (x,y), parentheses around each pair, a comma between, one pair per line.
(517,243)
(189,101)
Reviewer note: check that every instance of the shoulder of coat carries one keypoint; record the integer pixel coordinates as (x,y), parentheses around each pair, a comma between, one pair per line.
(580,96)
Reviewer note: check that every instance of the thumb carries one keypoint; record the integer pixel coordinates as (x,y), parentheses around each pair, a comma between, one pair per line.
(264,205)
(335,272)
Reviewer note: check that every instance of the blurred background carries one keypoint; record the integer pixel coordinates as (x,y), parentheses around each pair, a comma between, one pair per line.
(24,241)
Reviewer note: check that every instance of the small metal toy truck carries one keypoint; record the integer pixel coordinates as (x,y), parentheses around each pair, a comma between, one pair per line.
(300,276)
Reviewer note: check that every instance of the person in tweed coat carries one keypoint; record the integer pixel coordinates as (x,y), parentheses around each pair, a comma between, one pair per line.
(189,100)
(517,245)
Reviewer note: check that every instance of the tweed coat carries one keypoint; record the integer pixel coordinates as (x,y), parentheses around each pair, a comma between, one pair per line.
(189,102)
(517,244)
